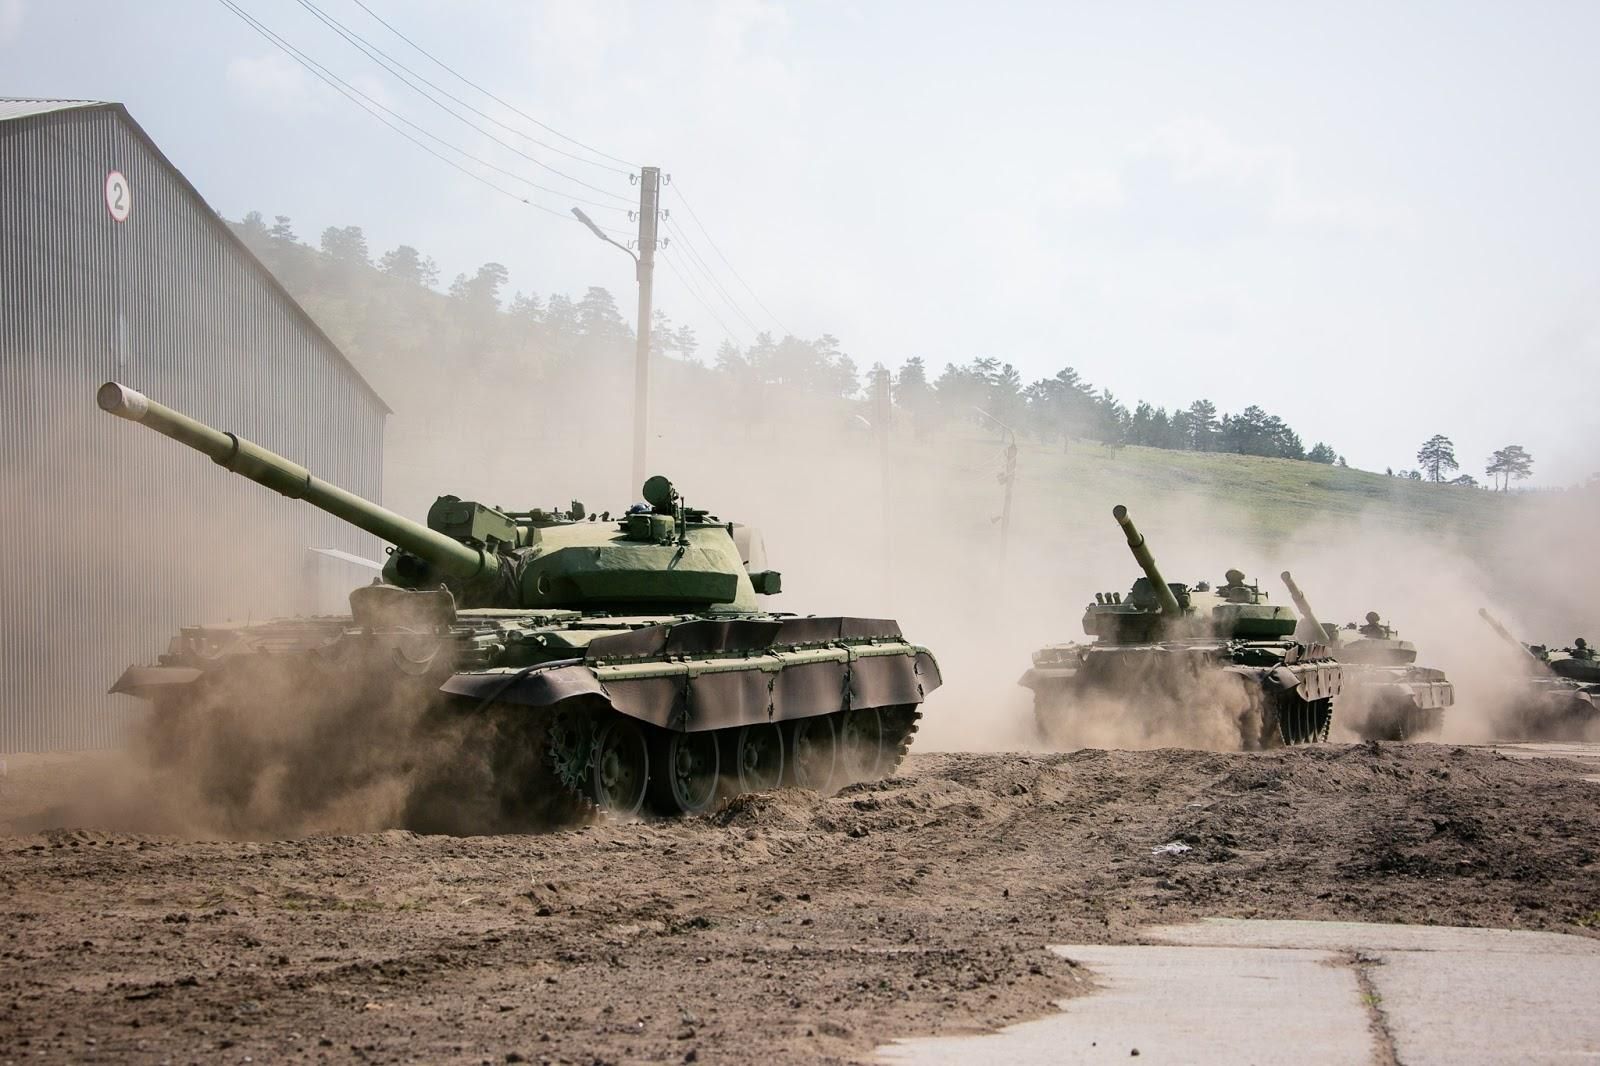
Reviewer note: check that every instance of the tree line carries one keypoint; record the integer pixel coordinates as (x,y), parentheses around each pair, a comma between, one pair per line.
(1066,407)
(387,309)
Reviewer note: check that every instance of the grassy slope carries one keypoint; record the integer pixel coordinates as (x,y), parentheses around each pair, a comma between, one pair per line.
(1267,497)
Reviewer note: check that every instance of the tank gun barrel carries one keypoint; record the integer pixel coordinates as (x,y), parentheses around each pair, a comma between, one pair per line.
(1303,605)
(1494,624)
(449,556)
(1147,562)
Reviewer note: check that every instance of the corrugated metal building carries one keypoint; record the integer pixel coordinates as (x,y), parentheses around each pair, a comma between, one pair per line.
(113,266)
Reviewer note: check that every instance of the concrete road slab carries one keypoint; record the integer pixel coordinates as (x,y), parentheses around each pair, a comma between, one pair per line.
(1229,991)
(1174,1004)
(1551,749)
(1465,1008)
(1368,936)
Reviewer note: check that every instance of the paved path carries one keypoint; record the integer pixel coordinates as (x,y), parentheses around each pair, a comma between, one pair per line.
(1227,991)
(1586,752)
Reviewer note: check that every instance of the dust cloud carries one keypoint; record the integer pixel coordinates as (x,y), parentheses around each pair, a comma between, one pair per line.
(918,538)
(907,529)
(262,750)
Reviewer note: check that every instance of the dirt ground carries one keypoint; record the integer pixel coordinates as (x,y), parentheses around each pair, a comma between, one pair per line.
(784,928)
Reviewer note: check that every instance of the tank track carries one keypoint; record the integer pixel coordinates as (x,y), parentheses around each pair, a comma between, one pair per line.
(1296,721)
(912,721)
(565,746)
(1399,719)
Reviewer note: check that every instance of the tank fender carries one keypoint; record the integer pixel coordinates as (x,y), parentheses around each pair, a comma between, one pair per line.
(1283,678)
(144,682)
(704,674)
(540,686)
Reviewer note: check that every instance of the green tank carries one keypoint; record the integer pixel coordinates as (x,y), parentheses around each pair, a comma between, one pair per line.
(624,660)
(1187,650)
(1555,695)
(1385,695)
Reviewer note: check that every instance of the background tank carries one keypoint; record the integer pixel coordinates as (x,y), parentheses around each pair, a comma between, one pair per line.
(1549,698)
(1385,695)
(622,659)
(1195,654)
(1578,663)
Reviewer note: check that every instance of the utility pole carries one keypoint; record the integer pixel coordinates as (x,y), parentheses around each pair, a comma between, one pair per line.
(649,199)
(1008,477)
(882,423)
(644,270)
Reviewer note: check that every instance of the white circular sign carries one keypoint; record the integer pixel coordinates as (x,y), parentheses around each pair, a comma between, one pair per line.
(119,199)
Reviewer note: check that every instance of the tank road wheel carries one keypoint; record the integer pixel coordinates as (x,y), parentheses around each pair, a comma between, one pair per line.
(758,755)
(813,752)
(683,779)
(621,767)
(861,744)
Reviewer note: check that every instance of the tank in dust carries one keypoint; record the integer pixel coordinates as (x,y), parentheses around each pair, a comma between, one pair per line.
(621,660)
(1172,648)
(1386,695)
(1554,695)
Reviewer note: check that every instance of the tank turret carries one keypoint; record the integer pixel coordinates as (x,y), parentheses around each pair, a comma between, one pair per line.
(663,554)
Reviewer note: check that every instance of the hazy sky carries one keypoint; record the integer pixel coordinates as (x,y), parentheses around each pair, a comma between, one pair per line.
(1378,221)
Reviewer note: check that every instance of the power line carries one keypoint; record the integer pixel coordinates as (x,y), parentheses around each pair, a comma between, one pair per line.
(667,260)
(503,103)
(700,264)
(679,190)
(372,107)
(383,59)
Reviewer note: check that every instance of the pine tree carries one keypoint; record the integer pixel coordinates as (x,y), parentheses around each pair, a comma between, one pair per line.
(1437,457)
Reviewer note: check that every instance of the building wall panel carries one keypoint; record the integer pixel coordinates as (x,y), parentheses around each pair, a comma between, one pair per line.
(115,536)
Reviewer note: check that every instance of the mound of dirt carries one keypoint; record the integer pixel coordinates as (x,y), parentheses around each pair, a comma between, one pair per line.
(785,927)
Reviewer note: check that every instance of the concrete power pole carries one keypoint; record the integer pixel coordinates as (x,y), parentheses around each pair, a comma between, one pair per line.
(883,424)
(1009,478)
(649,199)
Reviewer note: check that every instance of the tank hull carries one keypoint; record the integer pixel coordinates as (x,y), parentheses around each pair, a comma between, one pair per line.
(1394,702)
(1550,708)
(686,708)
(1234,695)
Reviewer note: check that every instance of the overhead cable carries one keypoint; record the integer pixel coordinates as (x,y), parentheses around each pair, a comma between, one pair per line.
(678,189)
(695,260)
(728,333)
(503,103)
(375,109)
(384,60)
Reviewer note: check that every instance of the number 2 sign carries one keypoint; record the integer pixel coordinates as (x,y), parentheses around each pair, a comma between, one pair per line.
(119,200)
